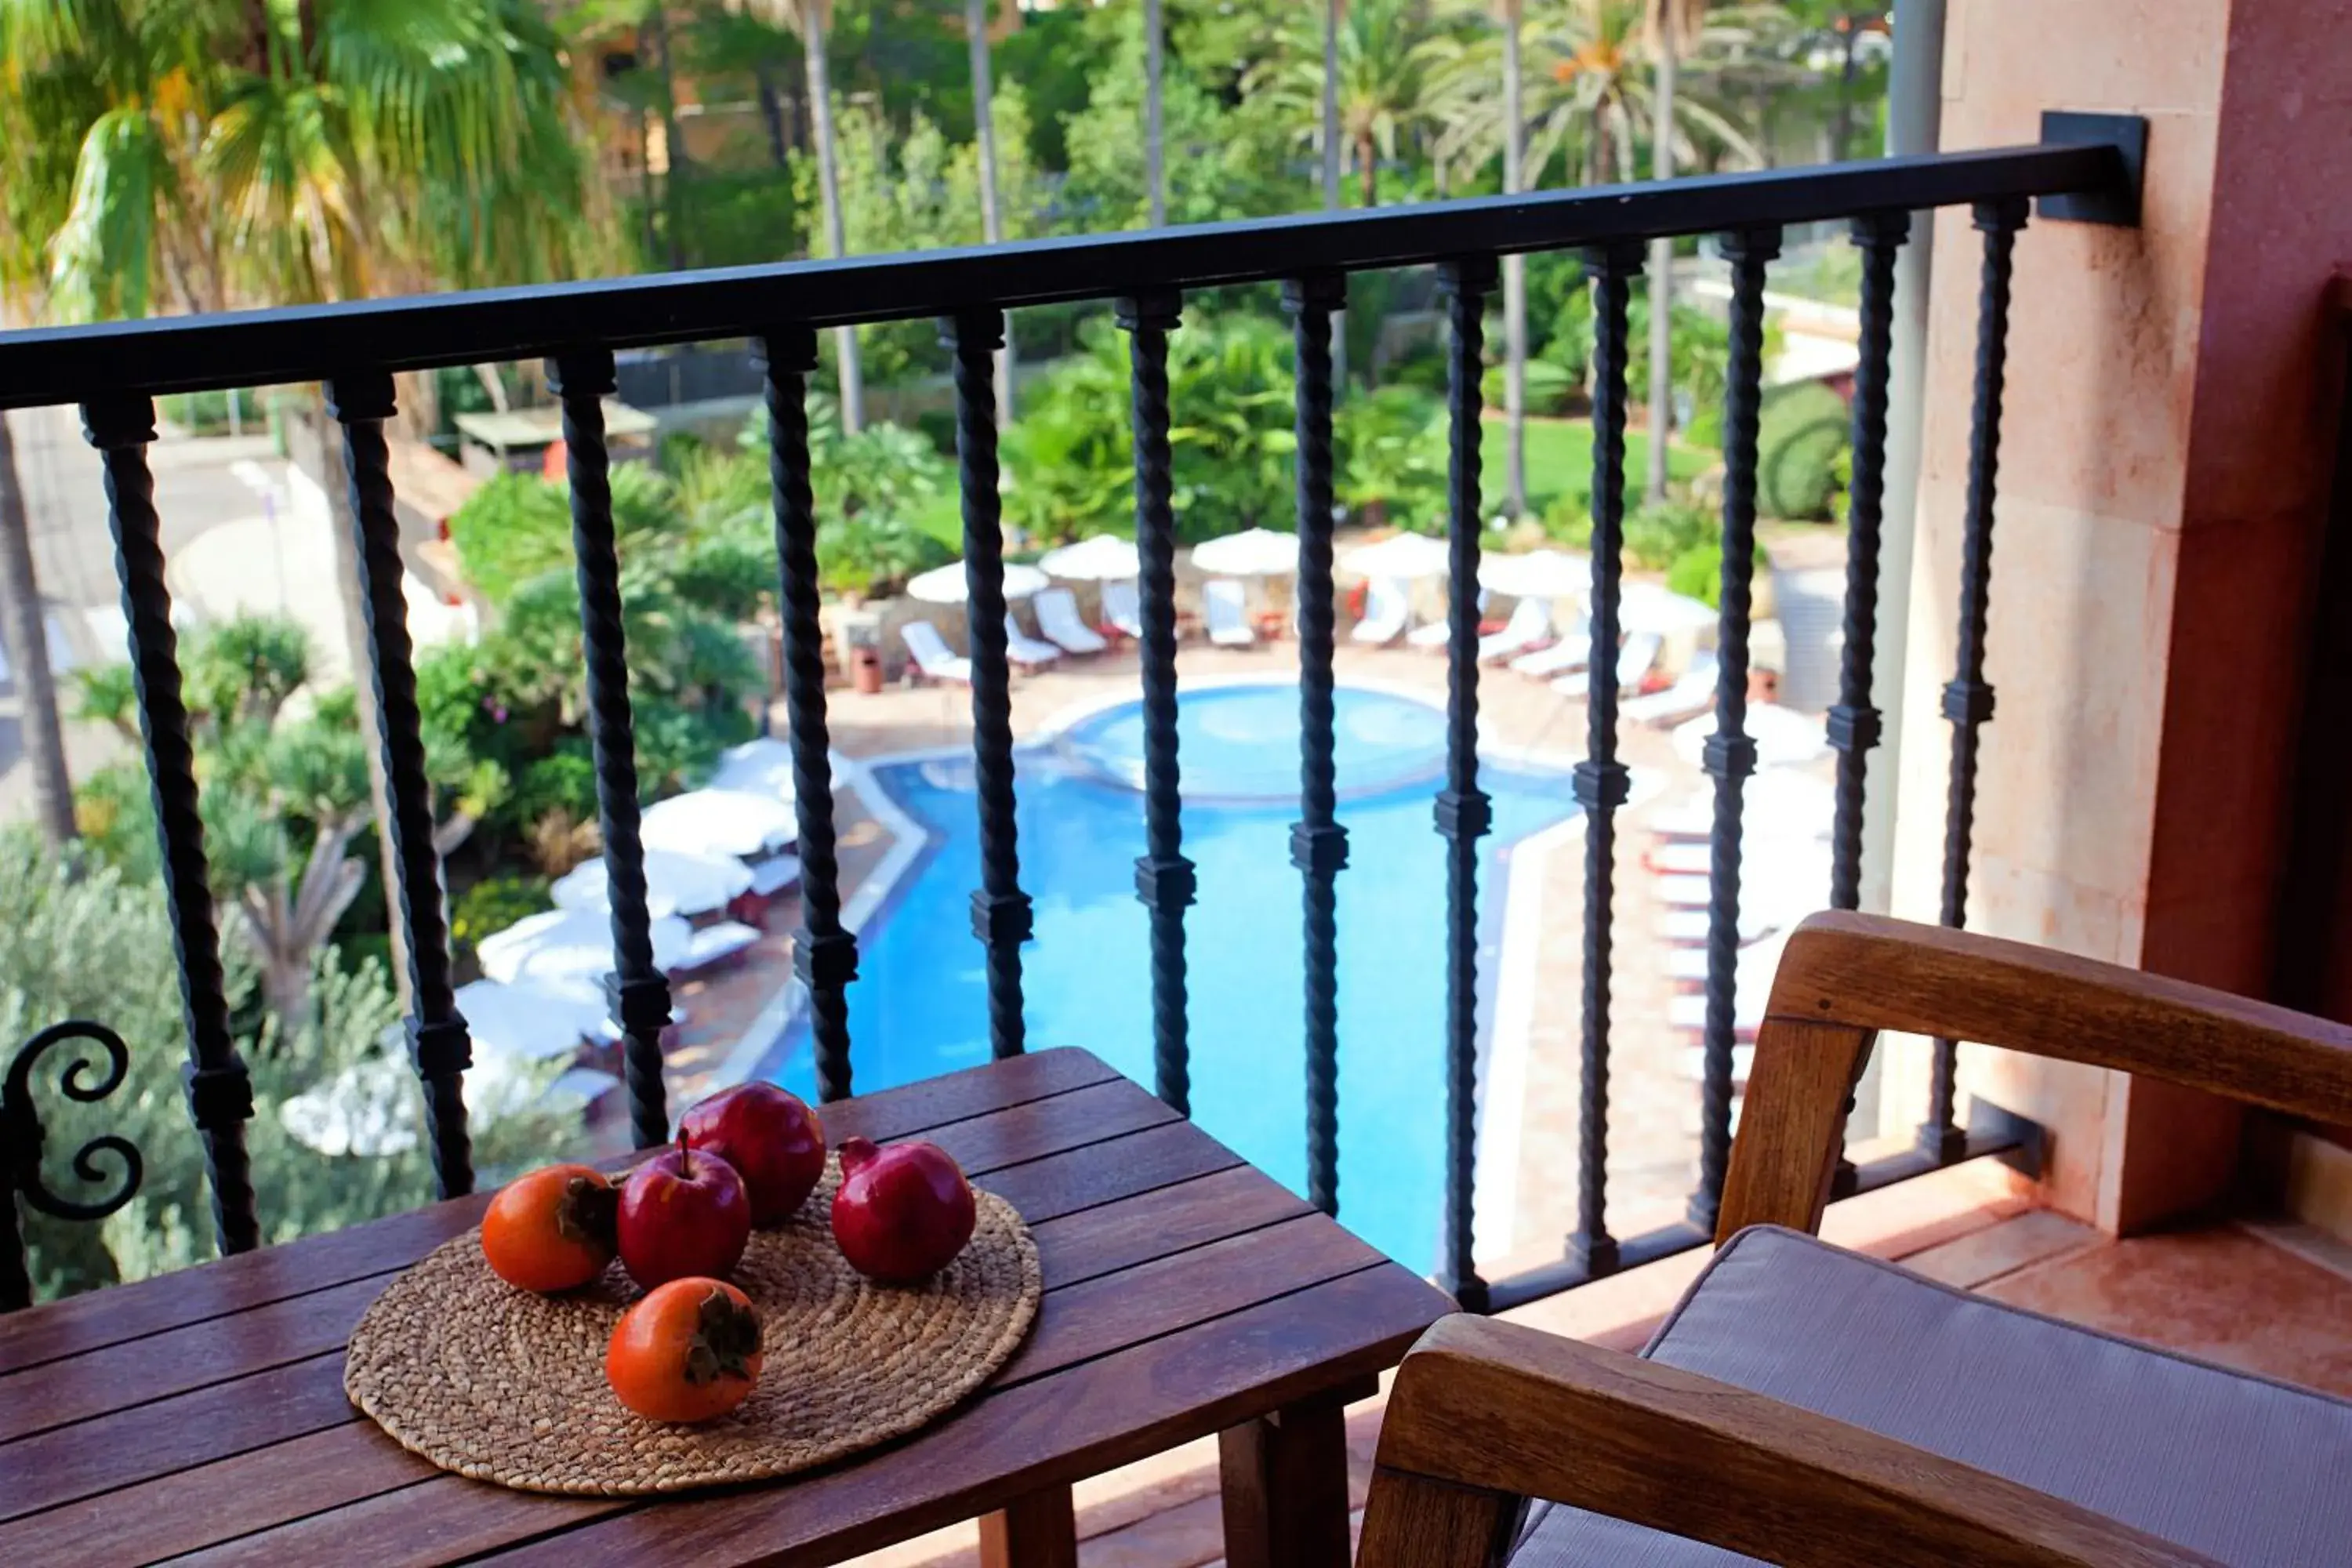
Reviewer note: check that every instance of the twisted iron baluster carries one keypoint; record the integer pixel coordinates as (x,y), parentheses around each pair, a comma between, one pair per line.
(639,992)
(1319,845)
(1854,723)
(220,1093)
(824,955)
(438,1043)
(1163,877)
(1463,814)
(1601,780)
(1730,756)
(1968,700)
(21,1137)
(1001,915)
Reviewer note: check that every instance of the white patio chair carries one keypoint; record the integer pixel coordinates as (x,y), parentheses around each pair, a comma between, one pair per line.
(1059,619)
(1530,624)
(934,661)
(1228,618)
(1122,610)
(1573,652)
(1633,661)
(1024,650)
(1387,612)
(1692,692)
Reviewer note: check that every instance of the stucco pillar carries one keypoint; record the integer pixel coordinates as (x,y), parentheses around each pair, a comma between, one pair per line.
(2163,464)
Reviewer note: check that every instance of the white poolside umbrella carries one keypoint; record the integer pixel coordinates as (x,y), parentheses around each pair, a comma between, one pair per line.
(1254,552)
(676,883)
(1538,575)
(1783,736)
(1400,558)
(727,823)
(761,766)
(571,949)
(945,584)
(1647,607)
(529,1022)
(1104,558)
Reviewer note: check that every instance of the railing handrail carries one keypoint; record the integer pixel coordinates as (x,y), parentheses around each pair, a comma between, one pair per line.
(310,342)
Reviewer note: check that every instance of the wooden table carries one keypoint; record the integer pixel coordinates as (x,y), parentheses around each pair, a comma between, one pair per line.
(1186,1294)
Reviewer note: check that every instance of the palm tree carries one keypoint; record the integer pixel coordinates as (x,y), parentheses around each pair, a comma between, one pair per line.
(810,18)
(1671,25)
(24,630)
(1377,70)
(992,226)
(226,153)
(1155,164)
(1512,14)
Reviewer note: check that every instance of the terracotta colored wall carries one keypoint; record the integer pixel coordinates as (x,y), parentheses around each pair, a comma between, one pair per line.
(2163,459)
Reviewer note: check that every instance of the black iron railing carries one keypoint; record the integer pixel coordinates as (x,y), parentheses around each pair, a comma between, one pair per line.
(115,371)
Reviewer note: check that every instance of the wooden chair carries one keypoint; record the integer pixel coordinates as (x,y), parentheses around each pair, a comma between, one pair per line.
(1806,1405)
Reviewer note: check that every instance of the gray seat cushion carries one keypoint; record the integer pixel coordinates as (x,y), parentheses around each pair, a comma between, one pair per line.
(2242,1468)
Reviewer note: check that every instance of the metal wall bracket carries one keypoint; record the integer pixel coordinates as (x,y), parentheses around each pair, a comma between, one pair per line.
(2119,204)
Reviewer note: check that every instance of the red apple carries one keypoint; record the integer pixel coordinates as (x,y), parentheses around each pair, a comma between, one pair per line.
(683,1212)
(902,1213)
(771,1138)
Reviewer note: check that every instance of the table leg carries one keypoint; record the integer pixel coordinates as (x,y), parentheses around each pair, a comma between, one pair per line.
(1040,1531)
(1285,1488)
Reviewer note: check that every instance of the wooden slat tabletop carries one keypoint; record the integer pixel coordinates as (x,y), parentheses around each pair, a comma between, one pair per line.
(201,1415)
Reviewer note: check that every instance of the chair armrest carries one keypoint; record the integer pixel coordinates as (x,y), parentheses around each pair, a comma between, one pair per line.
(1843,978)
(1485,1413)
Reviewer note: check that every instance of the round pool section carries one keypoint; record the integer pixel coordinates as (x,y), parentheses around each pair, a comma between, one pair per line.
(920,1006)
(1240,744)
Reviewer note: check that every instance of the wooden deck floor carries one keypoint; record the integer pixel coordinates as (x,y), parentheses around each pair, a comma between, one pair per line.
(2275,1298)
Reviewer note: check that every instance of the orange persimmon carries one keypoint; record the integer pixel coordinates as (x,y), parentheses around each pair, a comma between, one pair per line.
(551,1229)
(689,1351)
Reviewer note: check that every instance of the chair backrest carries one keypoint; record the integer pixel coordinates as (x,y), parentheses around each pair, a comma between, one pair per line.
(1386,601)
(1121,605)
(923,640)
(1640,652)
(1057,607)
(1529,620)
(1221,596)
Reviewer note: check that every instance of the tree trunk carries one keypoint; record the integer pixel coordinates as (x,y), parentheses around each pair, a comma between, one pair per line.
(1331,173)
(1368,173)
(645,204)
(673,145)
(848,372)
(1515,275)
(992,221)
(771,112)
(335,479)
(1155,171)
(24,628)
(1841,127)
(1662,275)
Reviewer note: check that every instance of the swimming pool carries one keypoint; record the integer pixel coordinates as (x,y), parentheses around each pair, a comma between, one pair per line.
(919,1005)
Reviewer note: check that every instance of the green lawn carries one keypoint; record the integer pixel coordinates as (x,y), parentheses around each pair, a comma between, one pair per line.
(1559,459)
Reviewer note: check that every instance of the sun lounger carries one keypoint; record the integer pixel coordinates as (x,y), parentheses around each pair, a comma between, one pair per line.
(1228,619)
(1693,692)
(1122,611)
(1024,650)
(1632,663)
(1387,611)
(1059,619)
(934,661)
(1530,624)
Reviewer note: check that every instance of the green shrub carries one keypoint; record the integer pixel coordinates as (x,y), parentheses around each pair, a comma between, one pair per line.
(1657,536)
(494,903)
(513,529)
(1551,388)
(1698,572)
(1803,435)
(566,782)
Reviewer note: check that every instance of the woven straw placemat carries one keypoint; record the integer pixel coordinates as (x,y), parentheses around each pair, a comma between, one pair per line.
(503,1385)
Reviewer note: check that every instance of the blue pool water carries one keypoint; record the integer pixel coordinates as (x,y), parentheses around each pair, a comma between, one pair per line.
(919,1005)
